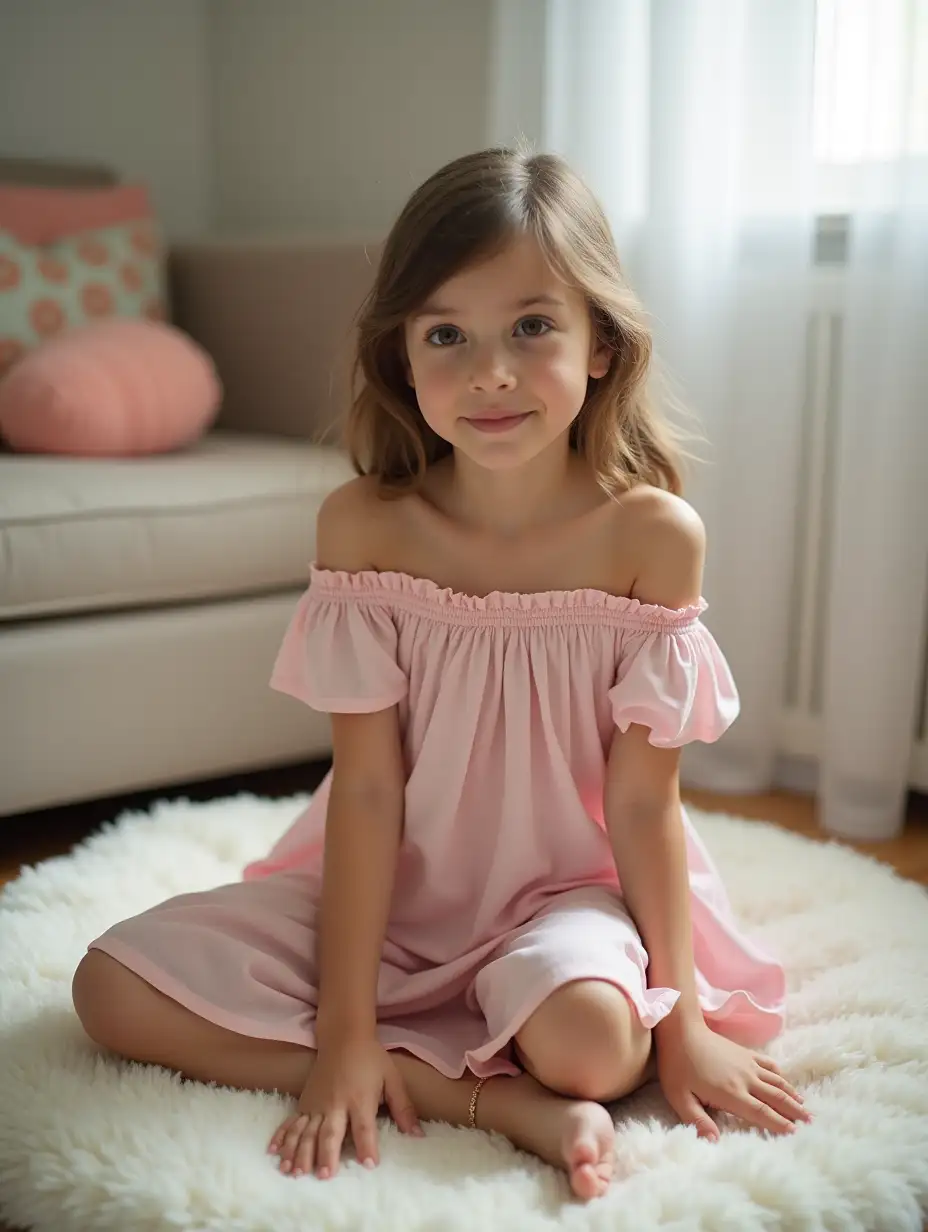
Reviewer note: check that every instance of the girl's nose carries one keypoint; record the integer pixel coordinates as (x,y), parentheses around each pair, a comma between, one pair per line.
(492,370)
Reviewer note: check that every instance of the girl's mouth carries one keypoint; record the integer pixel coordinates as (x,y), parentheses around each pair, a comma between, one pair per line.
(498,423)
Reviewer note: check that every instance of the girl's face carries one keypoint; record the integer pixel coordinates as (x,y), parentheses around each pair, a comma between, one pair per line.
(500,355)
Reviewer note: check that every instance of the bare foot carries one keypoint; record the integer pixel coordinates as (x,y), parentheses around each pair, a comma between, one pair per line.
(578,1137)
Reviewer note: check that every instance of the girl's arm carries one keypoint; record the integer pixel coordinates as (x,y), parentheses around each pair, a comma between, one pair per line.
(698,1068)
(642,795)
(365,816)
(362,836)
(643,817)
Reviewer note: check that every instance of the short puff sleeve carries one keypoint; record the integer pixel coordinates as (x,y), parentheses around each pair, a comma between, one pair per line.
(339,655)
(673,678)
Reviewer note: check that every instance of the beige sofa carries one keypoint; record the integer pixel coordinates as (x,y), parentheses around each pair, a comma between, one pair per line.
(142,601)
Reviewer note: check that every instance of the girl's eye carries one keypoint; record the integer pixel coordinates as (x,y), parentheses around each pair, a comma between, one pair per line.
(532,327)
(443,335)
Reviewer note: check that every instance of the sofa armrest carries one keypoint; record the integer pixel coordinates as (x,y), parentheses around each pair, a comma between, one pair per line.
(278,320)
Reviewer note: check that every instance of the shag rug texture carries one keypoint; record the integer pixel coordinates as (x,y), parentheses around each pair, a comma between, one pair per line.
(90,1143)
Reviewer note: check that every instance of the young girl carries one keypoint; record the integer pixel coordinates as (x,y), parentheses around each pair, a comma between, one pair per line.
(494,912)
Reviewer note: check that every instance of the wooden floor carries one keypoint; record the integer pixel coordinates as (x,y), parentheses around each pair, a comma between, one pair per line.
(33,837)
(907,854)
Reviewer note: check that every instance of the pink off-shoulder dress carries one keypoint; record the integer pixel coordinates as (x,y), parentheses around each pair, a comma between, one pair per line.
(505,885)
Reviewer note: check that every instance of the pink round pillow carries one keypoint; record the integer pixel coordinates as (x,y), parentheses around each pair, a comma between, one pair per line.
(113,388)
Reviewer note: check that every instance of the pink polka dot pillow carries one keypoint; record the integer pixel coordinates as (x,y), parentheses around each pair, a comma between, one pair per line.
(113,271)
(39,215)
(113,388)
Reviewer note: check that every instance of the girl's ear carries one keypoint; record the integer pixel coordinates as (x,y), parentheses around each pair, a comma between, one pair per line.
(600,358)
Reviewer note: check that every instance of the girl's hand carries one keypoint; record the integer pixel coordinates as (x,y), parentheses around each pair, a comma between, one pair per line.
(700,1069)
(348,1083)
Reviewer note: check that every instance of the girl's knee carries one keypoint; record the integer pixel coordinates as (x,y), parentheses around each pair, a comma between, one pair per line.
(586,1041)
(106,997)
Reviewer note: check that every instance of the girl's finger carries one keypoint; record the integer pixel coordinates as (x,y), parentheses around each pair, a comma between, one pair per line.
(364,1135)
(767,1063)
(757,1112)
(291,1142)
(279,1132)
(781,1101)
(329,1144)
(400,1105)
(305,1155)
(691,1112)
(777,1080)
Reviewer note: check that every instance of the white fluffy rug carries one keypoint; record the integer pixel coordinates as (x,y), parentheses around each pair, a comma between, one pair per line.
(88,1143)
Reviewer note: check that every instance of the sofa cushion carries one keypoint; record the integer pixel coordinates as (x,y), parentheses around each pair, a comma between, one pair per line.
(232,515)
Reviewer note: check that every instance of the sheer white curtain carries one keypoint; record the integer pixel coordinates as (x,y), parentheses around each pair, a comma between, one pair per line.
(692,119)
(875,654)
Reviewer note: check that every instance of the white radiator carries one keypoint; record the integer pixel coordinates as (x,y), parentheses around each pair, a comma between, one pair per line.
(800,733)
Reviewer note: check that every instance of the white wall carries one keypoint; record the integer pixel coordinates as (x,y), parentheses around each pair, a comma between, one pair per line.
(119,81)
(251,115)
(329,112)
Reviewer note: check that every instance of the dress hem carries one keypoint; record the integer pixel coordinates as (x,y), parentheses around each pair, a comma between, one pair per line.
(728,1017)
(485,1061)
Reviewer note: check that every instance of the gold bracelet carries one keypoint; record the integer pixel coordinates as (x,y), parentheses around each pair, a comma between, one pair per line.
(475,1095)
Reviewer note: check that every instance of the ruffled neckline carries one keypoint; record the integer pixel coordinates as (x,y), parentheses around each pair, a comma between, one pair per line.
(499,606)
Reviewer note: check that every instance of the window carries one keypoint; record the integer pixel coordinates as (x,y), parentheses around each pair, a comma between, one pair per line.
(870,96)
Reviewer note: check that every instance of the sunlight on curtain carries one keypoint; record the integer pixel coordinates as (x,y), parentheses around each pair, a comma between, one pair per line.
(872,132)
(688,118)
(716,132)
(865,54)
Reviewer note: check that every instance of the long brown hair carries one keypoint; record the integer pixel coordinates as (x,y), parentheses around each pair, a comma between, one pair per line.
(466,212)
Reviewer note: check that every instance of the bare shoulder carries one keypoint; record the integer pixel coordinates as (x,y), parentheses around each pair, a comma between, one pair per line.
(669,546)
(654,511)
(347,526)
